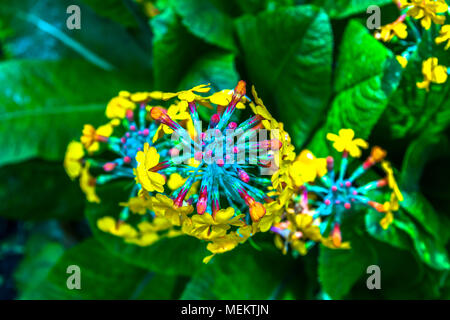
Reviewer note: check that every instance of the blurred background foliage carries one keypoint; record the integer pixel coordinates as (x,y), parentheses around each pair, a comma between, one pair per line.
(317,68)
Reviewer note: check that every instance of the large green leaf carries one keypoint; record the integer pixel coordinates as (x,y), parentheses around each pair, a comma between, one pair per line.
(37,190)
(115,10)
(288,55)
(366,75)
(40,32)
(104,277)
(175,256)
(207,20)
(243,273)
(44,104)
(343,8)
(339,270)
(174,49)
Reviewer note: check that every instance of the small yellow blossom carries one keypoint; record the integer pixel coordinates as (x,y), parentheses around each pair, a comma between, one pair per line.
(175,112)
(120,229)
(223,98)
(426,11)
(307,167)
(137,205)
(188,95)
(397,28)
(148,159)
(163,206)
(432,72)
(73,159)
(91,136)
(389,207)
(207,227)
(444,35)
(175,181)
(118,106)
(223,244)
(345,142)
(87,184)
(391,179)
(402,60)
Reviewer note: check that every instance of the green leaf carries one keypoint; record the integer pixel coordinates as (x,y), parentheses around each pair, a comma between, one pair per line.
(366,75)
(392,235)
(174,49)
(242,274)
(99,280)
(41,254)
(288,55)
(49,192)
(207,20)
(180,255)
(413,111)
(339,270)
(115,10)
(339,9)
(215,68)
(430,251)
(40,32)
(44,104)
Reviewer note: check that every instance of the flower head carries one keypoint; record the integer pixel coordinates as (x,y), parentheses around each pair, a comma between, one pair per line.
(145,172)
(73,159)
(389,31)
(444,35)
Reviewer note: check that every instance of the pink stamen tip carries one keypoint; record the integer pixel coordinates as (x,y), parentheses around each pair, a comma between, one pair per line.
(109,166)
(232,125)
(127,134)
(348,184)
(133,128)
(127,159)
(353,199)
(174,152)
(209,153)
(139,132)
(198,156)
(355,192)
(130,114)
(220,162)
(327,202)
(218,132)
(145,132)
(334,188)
(244,176)
(341,184)
(123,140)
(337,201)
(347,205)
(235,149)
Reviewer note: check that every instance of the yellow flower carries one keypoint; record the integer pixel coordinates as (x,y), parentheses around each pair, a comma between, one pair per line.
(87,184)
(389,207)
(137,205)
(139,97)
(444,35)
(391,179)
(188,95)
(175,112)
(206,227)
(223,98)
(307,167)
(72,159)
(223,244)
(118,106)
(426,10)
(305,224)
(345,142)
(120,229)
(149,180)
(329,243)
(91,137)
(175,181)
(397,28)
(432,72)
(163,206)
(402,60)
(260,109)
(145,239)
